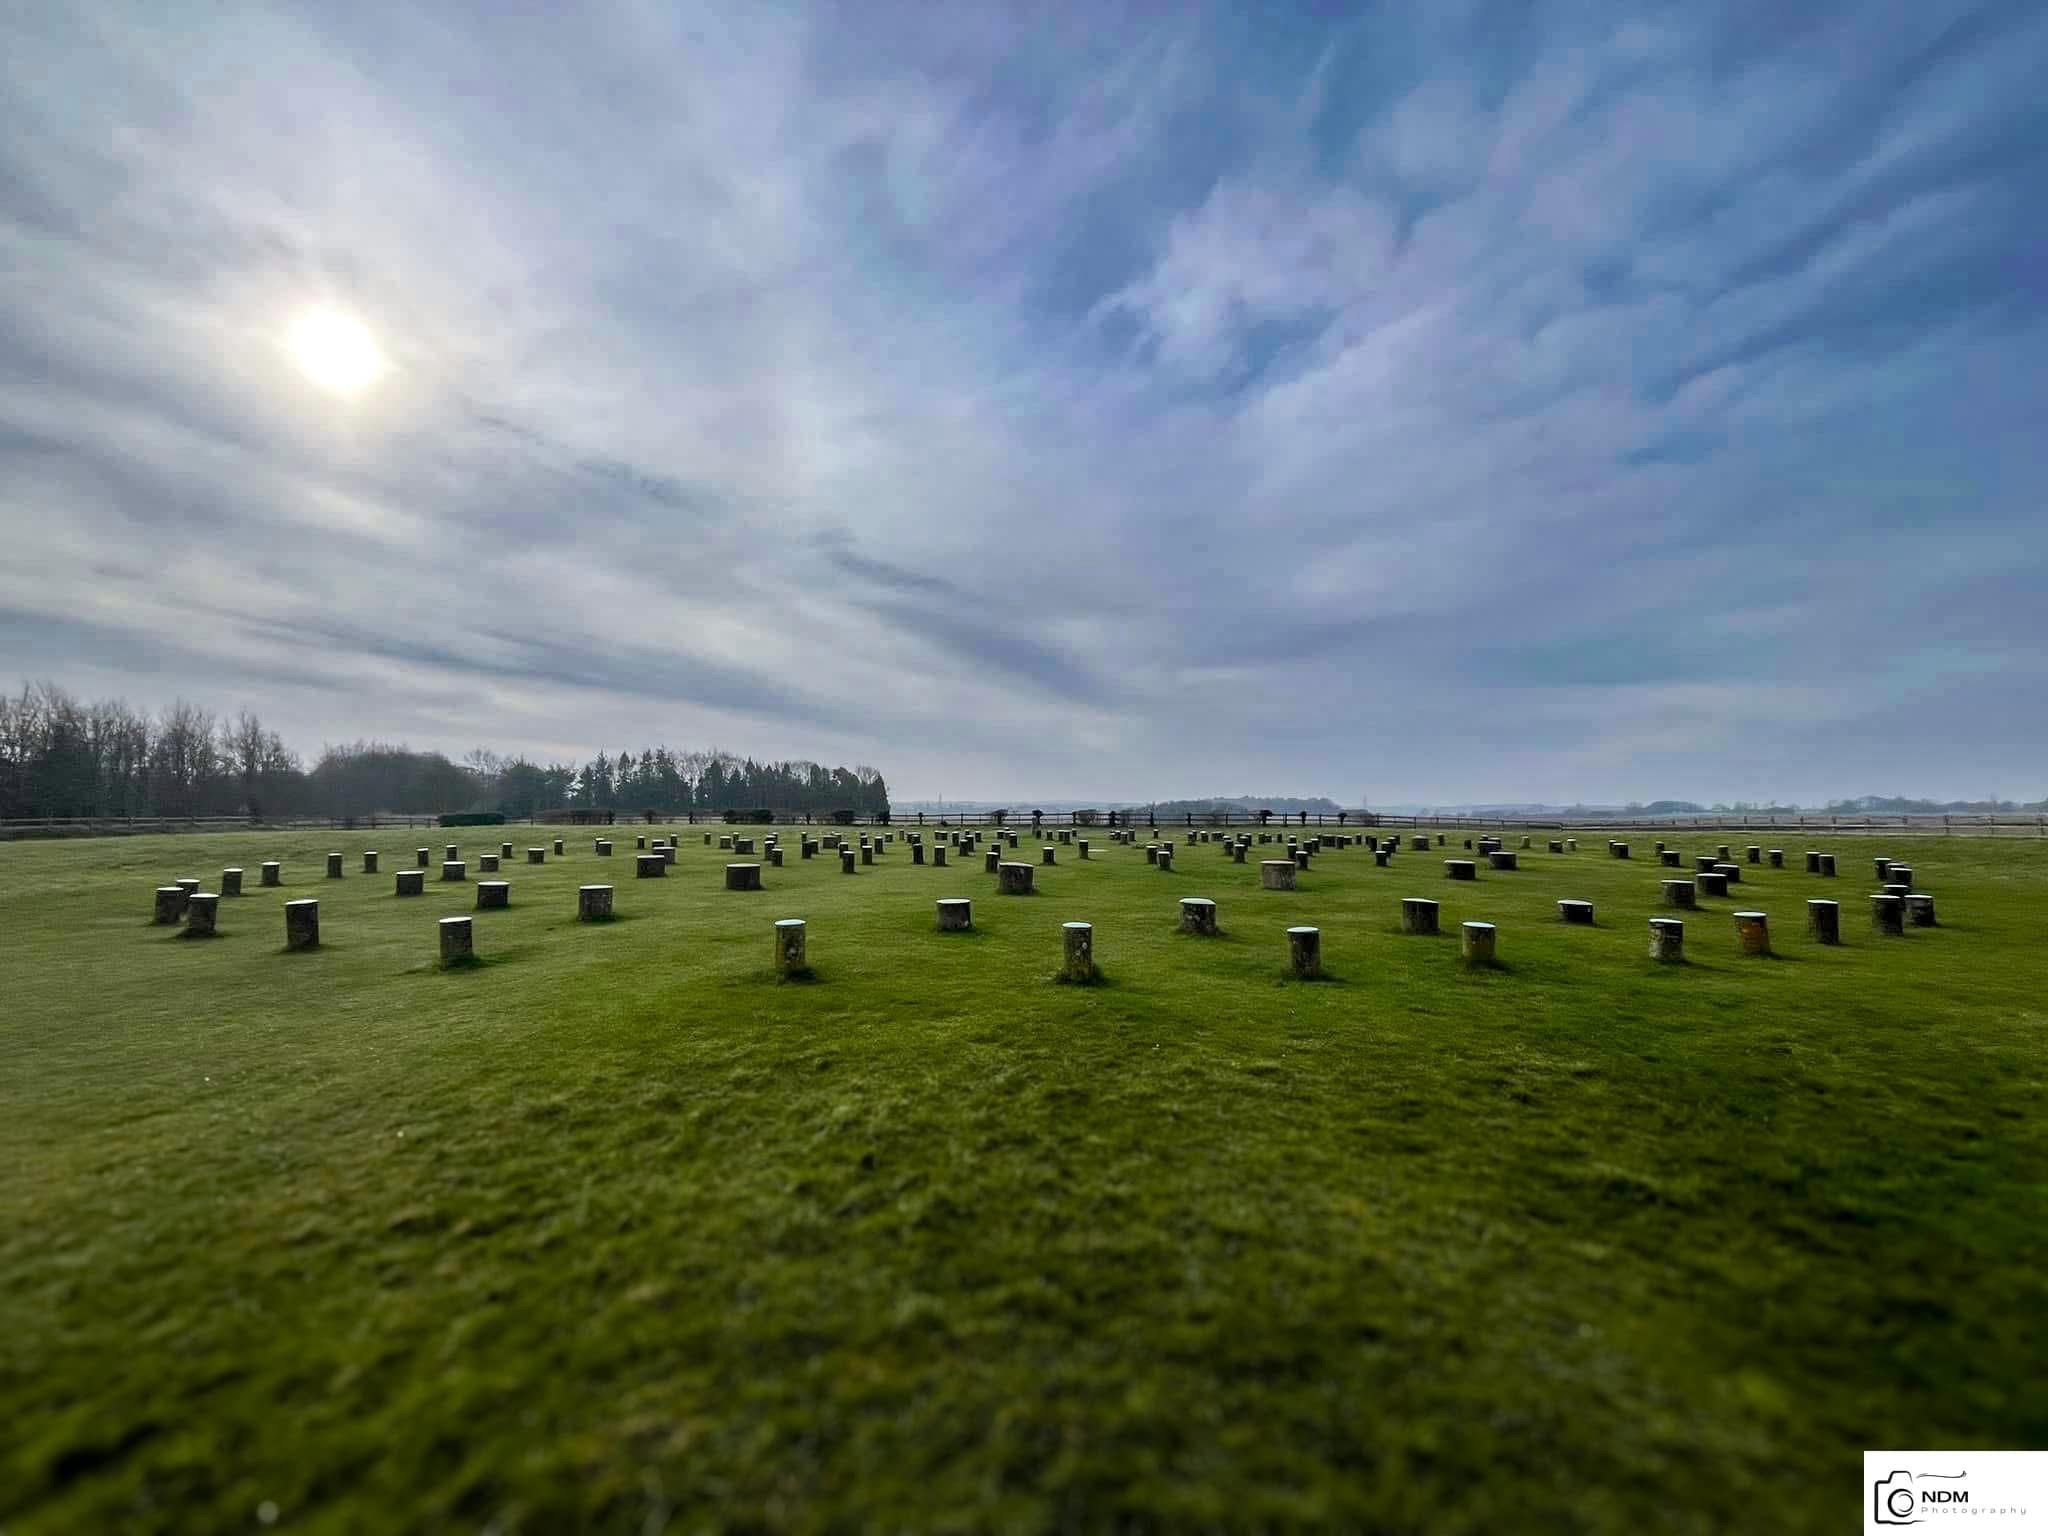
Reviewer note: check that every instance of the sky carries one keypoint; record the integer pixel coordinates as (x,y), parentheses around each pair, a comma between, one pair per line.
(1436,403)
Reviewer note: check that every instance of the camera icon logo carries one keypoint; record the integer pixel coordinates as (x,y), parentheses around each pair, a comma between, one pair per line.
(1891,1500)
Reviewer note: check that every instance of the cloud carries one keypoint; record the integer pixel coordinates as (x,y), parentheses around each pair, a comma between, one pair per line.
(1585,405)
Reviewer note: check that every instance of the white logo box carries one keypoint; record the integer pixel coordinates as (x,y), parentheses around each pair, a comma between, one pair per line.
(2001,1493)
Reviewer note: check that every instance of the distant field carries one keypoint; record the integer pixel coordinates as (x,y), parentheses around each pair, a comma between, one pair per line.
(616,1230)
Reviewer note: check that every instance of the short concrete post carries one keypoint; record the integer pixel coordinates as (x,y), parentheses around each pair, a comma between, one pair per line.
(491,895)
(272,873)
(917,853)
(558,848)
(231,882)
(1151,853)
(301,925)
(1077,963)
(991,859)
(1578,912)
(939,854)
(743,877)
(601,846)
(1668,858)
(423,856)
(1276,874)
(1888,914)
(450,854)
(1571,845)
(487,863)
(1777,858)
(412,882)
(668,854)
(457,940)
(1198,915)
(1047,854)
(1380,856)
(1711,882)
(1827,866)
(789,946)
(774,856)
(504,850)
(1237,852)
(1753,933)
(1667,940)
(1557,845)
(1476,944)
(171,902)
(1679,893)
(1305,952)
(1419,844)
(648,866)
(1725,852)
(1705,861)
(202,912)
(1418,915)
(1013,879)
(848,859)
(1081,848)
(1755,854)
(1881,869)
(1919,909)
(1824,921)
(1165,860)
(593,904)
(1620,850)
(536,855)
(956,914)
(1460,869)
(1733,872)
(1501,858)
(1901,874)
(454,869)
(867,853)
(1812,862)
(1301,858)
(639,844)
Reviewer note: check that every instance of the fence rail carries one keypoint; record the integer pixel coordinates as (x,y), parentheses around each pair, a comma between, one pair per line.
(1897,825)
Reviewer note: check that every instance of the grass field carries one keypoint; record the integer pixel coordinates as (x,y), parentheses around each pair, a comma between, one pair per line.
(617,1231)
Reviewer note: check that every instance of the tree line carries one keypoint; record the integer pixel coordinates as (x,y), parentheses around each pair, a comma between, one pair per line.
(60,756)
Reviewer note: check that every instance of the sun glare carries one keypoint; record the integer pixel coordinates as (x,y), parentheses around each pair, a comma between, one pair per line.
(335,351)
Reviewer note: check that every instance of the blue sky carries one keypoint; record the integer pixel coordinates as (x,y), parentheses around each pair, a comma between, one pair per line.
(1425,403)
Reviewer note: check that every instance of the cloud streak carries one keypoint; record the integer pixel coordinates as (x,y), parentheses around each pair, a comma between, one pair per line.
(1589,405)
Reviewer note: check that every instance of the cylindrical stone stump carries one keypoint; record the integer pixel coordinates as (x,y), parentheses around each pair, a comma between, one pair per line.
(272,874)
(1812,862)
(171,901)
(1418,915)
(423,857)
(1753,933)
(789,946)
(369,862)
(1881,870)
(558,847)
(504,850)
(1305,952)
(1501,858)
(1733,872)
(939,854)
(1237,852)
(867,853)
(1621,850)
(775,857)
(1460,869)
(1198,915)
(648,866)
(1301,858)
(601,846)
(487,863)
(1013,879)
(1711,882)
(639,843)
(1667,940)
(991,859)
(1047,854)
(1705,861)
(1525,842)
(1571,845)
(1824,921)
(1276,874)
(190,885)
(1777,858)
(746,844)
(848,860)
(1080,847)
(1578,912)
(301,924)
(1754,853)
(1557,845)
(454,869)
(917,853)
(457,939)
(1888,914)
(450,854)
(1668,858)
(1680,893)
(1898,889)
(743,877)
(536,855)
(1165,860)
(202,912)
(1725,852)
(1919,909)
(1419,844)
(1902,874)
(412,882)
(956,914)
(231,882)
(593,903)
(1476,943)
(1077,960)
(1827,866)
(1658,845)
(1379,857)
(1151,853)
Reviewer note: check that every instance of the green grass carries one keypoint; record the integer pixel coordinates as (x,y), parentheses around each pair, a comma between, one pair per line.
(614,1230)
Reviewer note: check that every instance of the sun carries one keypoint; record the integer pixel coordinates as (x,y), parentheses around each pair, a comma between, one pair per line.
(336,351)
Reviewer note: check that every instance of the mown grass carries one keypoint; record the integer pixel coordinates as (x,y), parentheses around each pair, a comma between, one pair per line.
(613,1230)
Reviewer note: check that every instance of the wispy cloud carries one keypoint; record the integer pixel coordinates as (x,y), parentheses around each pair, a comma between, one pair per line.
(1580,404)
